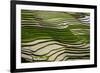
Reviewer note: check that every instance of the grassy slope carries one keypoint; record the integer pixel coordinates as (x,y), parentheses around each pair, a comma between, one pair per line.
(60,35)
(51,18)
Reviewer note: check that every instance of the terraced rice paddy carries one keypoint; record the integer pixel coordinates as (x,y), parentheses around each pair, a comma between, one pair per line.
(48,36)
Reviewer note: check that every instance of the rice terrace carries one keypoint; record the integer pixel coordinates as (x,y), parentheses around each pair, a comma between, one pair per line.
(48,36)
